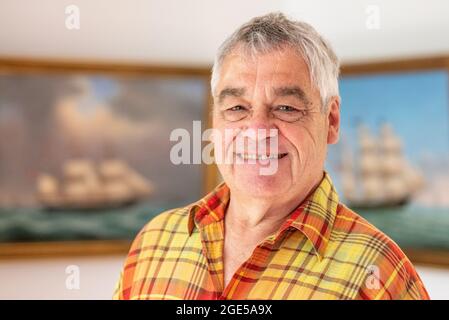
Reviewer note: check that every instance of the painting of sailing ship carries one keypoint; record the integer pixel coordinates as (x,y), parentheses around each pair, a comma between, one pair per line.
(84,187)
(86,155)
(382,178)
(391,164)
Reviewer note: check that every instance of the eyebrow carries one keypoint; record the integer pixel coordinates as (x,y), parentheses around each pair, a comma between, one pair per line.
(280,92)
(291,91)
(230,92)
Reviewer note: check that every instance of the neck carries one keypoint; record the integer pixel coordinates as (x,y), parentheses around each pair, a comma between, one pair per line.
(263,216)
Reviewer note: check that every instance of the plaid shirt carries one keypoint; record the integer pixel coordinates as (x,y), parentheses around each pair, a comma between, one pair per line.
(322,251)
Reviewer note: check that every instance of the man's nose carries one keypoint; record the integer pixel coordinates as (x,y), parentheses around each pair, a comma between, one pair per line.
(259,126)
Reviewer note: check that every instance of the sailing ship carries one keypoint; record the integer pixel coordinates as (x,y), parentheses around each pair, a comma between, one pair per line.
(84,186)
(380,176)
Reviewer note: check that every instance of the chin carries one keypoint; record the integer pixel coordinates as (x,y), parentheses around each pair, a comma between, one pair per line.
(260,186)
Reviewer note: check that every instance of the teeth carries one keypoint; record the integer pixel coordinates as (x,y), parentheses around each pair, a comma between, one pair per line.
(260,157)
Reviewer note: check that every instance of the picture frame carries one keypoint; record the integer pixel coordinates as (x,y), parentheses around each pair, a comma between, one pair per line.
(434,250)
(199,77)
(427,256)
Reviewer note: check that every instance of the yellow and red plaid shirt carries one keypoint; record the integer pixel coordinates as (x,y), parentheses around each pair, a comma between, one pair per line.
(322,251)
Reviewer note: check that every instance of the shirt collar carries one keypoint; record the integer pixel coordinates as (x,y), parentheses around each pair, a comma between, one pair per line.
(314,217)
(211,208)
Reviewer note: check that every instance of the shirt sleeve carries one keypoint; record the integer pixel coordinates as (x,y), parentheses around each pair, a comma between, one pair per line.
(124,284)
(118,289)
(392,277)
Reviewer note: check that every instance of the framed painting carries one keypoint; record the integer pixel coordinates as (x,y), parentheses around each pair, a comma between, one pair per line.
(85,153)
(392,162)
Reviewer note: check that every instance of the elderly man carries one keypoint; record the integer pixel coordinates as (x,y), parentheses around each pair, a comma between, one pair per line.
(283,235)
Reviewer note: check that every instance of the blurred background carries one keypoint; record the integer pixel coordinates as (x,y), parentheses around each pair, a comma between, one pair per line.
(94,88)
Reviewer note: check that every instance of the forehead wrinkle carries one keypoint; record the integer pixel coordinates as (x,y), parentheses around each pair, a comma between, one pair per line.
(260,77)
(256,61)
(276,68)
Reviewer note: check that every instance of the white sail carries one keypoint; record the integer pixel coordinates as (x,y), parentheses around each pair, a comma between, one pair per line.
(391,164)
(123,182)
(81,183)
(389,141)
(372,187)
(347,170)
(47,185)
(392,161)
(382,175)
(77,168)
(369,163)
(48,189)
(115,186)
(368,148)
(85,186)
(348,182)
(395,188)
(367,143)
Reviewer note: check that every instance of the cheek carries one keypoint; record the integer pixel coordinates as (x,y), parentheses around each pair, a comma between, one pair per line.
(225,131)
(222,140)
(304,141)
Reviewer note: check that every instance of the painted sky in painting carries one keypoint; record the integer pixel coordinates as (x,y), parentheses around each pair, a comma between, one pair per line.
(416,104)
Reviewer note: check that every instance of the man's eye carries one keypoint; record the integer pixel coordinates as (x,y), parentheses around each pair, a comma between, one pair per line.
(235,113)
(289,114)
(287,109)
(236,108)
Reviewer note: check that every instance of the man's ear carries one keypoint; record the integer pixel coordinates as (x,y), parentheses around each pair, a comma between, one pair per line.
(333,117)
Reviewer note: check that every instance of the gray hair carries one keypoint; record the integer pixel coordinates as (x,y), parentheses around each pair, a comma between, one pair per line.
(273,31)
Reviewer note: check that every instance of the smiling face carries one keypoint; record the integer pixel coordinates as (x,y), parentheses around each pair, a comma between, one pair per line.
(271,91)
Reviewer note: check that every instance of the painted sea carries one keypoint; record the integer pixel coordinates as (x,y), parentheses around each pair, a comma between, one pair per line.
(413,226)
(27,224)
(410,226)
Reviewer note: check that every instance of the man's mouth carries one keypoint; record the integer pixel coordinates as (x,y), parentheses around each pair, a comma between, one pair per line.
(260,157)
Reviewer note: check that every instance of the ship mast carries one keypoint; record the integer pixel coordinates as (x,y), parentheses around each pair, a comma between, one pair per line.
(392,165)
(368,171)
(381,176)
(347,170)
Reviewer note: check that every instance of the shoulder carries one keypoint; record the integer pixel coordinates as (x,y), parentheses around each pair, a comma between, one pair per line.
(164,230)
(358,231)
(169,219)
(159,231)
(173,221)
(390,274)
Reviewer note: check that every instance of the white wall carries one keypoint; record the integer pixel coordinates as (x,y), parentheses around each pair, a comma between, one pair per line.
(436,281)
(188,32)
(46,278)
